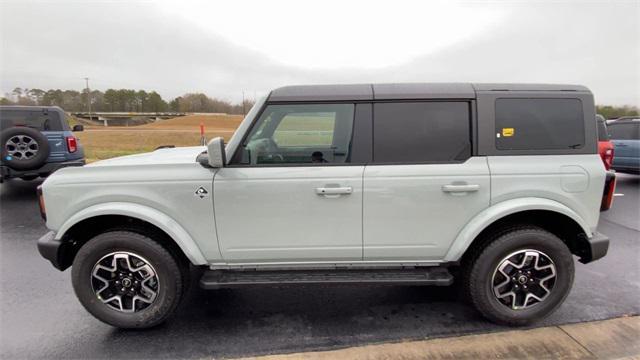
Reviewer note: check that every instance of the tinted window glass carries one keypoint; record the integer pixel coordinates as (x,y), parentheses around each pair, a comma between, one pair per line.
(300,134)
(539,124)
(603,134)
(37,119)
(625,131)
(416,132)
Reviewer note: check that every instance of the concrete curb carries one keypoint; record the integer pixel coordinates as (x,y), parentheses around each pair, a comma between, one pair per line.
(607,339)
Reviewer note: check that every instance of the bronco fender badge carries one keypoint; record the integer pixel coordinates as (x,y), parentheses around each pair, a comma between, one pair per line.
(201,192)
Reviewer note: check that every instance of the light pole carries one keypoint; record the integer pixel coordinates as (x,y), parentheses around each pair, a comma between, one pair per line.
(88,97)
(243,109)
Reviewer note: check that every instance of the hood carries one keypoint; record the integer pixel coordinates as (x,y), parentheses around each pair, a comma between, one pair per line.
(179,155)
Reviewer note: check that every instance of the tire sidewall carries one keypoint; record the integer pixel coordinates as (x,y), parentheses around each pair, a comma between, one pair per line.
(488,261)
(170,286)
(35,162)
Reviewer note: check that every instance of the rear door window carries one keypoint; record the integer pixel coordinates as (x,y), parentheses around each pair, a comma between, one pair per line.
(539,124)
(36,119)
(421,132)
(625,131)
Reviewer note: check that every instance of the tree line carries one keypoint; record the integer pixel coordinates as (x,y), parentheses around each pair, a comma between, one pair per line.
(129,100)
(613,112)
(122,100)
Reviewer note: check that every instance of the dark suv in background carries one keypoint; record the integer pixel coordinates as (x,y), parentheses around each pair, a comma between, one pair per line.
(36,141)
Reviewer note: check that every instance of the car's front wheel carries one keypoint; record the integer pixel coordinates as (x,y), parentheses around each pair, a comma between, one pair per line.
(522,275)
(127,280)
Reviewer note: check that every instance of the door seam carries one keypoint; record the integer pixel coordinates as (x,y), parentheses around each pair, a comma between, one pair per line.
(364,168)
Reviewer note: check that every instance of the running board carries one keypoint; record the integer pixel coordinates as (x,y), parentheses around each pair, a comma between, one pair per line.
(217,279)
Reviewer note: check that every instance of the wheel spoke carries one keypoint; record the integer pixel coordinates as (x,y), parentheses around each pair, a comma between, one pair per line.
(523,279)
(125,281)
(22,147)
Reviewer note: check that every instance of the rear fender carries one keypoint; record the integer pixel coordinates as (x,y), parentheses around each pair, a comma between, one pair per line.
(500,210)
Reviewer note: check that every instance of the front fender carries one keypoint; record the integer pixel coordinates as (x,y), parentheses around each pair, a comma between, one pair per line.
(145,213)
(500,210)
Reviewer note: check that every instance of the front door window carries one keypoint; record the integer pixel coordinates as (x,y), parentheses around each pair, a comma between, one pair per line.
(300,134)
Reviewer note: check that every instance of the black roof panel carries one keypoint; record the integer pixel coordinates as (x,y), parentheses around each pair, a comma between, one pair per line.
(529,87)
(404,91)
(423,91)
(322,93)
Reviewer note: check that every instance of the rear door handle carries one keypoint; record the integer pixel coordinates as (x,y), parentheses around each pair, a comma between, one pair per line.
(460,188)
(334,190)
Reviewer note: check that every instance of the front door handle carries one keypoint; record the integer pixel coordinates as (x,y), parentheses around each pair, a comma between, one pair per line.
(334,190)
(451,188)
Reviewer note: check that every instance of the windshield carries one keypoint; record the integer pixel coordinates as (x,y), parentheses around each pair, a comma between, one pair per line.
(235,140)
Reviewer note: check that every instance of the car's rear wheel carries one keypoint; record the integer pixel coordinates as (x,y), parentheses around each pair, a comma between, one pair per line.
(127,280)
(522,275)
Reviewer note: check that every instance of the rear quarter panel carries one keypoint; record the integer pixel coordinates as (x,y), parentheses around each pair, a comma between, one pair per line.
(58,151)
(576,181)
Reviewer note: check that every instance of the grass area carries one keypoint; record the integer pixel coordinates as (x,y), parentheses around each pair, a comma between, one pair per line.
(107,142)
(100,144)
(193,122)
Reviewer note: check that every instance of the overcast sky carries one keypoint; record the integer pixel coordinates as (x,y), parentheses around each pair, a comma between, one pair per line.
(224,48)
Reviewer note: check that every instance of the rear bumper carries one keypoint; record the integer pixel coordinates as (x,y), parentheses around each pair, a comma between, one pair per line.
(46,169)
(598,247)
(626,169)
(50,249)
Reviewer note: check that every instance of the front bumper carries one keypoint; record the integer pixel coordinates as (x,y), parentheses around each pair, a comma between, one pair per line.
(46,169)
(52,249)
(598,247)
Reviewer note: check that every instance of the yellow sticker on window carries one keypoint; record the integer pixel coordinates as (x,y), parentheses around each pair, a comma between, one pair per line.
(507,131)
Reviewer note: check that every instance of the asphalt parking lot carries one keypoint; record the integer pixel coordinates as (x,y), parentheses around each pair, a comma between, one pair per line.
(41,318)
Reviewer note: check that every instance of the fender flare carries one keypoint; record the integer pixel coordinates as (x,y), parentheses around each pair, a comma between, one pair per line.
(499,211)
(179,235)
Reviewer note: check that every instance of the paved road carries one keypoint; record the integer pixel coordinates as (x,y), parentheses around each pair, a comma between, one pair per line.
(40,317)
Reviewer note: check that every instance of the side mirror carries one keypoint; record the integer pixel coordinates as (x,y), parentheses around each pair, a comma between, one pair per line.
(215,152)
(78,128)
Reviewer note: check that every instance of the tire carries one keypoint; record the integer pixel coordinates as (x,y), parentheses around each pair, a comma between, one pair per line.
(168,280)
(24,148)
(522,246)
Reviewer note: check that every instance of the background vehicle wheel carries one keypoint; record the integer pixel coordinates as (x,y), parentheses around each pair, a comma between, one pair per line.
(24,148)
(127,280)
(521,276)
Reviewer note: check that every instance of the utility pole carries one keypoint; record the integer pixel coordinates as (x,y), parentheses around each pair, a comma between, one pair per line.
(243,109)
(88,98)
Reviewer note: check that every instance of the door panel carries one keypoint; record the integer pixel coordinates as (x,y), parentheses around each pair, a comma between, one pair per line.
(289,214)
(625,136)
(414,212)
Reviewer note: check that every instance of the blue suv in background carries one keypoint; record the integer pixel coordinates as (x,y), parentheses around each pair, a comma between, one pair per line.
(36,141)
(625,136)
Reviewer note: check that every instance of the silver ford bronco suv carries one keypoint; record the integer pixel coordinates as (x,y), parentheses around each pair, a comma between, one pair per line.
(492,186)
